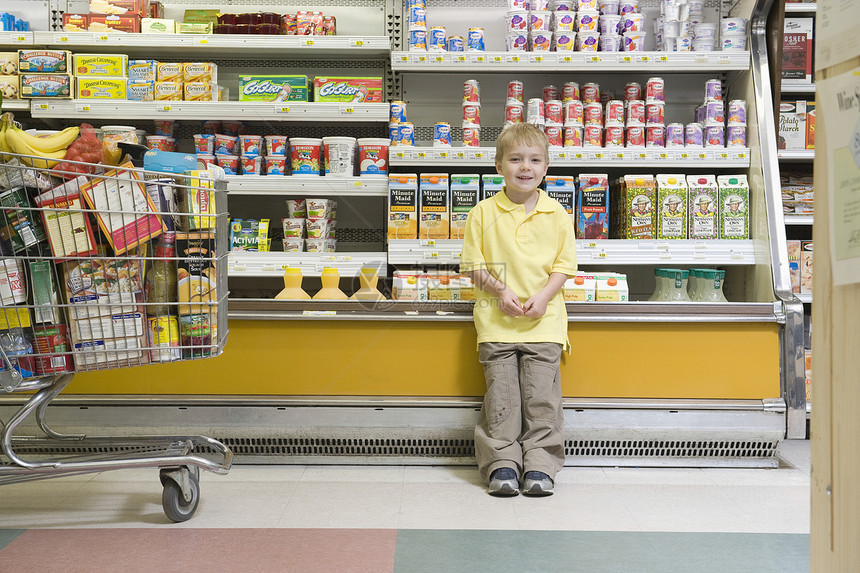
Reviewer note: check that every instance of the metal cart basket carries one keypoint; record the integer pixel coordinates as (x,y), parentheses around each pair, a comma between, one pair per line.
(103,268)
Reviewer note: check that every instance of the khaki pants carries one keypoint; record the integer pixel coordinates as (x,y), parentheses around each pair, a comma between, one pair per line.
(521,424)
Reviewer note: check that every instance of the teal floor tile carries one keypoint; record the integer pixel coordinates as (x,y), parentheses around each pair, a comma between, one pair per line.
(8,535)
(599,552)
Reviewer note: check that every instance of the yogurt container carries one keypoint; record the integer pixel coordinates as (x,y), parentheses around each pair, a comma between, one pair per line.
(582,5)
(733,26)
(540,41)
(276,165)
(675,135)
(634,22)
(608,7)
(297,208)
(417,16)
(442,133)
(406,134)
(704,44)
(514,112)
(472,136)
(614,136)
(587,41)
(564,21)
(517,42)
(229,163)
(293,245)
(205,160)
(587,21)
(563,41)
(455,44)
(573,112)
(705,31)
(417,39)
(305,156)
(225,144)
(563,5)
(251,165)
(339,154)
(539,21)
(611,43)
(737,112)
(540,5)
(734,42)
(160,142)
(276,145)
(373,157)
(715,136)
(204,143)
(475,41)
(628,6)
(436,38)
(610,25)
(572,135)
(736,136)
(635,136)
(250,145)
(518,5)
(655,136)
(694,135)
(634,41)
(517,20)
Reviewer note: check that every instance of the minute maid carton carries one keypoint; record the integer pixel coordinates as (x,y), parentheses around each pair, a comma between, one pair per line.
(433,206)
(563,189)
(465,193)
(491,184)
(734,207)
(402,206)
(273,88)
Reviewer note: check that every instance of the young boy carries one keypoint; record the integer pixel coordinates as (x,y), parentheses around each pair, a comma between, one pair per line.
(519,249)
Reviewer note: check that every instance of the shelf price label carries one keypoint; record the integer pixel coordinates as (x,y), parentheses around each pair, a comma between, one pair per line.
(60,39)
(478,155)
(496,60)
(723,155)
(163,107)
(663,155)
(597,155)
(357,184)
(663,59)
(460,59)
(619,155)
(701,59)
(356,43)
(319,313)
(644,58)
(737,255)
(403,58)
(514,59)
(588,245)
(444,155)
(479,59)
(345,259)
(537,59)
(685,155)
(101,38)
(642,155)
(578,155)
(85,108)
(724,60)
(399,155)
(664,253)
(460,155)
(347,110)
(268,268)
(203,41)
(593,59)
(19,39)
(598,254)
(742,155)
(701,155)
(307,42)
(422,59)
(427,242)
(625,59)
(431,255)
(43,106)
(422,155)
(562,155)
(239,267)
(438,58)
(566,59)
(282,109)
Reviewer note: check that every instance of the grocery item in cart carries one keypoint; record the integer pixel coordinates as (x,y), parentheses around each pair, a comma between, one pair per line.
(672,202)
(20,229)
(703,207)
(13,285)
(197,201)
(465,194)
(196,272)
(592,206)
(67,226)
(45,295)
(403,206)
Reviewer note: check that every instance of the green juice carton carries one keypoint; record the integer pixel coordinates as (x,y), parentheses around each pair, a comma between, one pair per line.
(734,207)
(491,184)
(465,193)
(703,208)
(672,205)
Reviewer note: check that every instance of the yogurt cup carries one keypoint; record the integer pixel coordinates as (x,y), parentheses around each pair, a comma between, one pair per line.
(229,163)
(704,44)
(539,21)
(250,145)
(564,21)
(251,164)
(587,21)
(276,145)
(160,142)
(634,41)
(164,127)
(697,7)
(564,41)
(518,42)
(373,157)
(225,144)
(276,165)
(537,5)
(563,5)
(628,6)
(518,5)
(634,22)
(317,228)
(733,26)
(610,25)
(205,160)
(305,156)
(231,127)
(330,245)
(297,208)
(339,155)
(540,41)
(293,245)
(701,31)
(734,43)
(608,7)
(586,5)
(587,41)
(318,208)
(315,245)
(611,43)
(517,20)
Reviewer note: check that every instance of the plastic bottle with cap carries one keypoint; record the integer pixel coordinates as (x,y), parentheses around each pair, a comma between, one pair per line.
(701,285)
(330,290)
(292,285)
(713,286)
(659,286)
(694,286)
(368,279)
(678,285)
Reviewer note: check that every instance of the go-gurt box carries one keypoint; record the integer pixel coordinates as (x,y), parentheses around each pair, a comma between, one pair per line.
(273,88)
(343,89)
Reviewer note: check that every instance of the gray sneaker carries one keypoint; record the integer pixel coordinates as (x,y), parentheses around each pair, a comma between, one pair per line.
(537,484)
(503,482)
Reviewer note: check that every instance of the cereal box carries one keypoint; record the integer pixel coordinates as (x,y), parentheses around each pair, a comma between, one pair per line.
(8,63)
(10,87)
(169,72)
(703,207)
(810,125)
(98,87)
(140,90)
(44,61)
(792,125)
(273,88)
(199,72)
(672,202)
(46,85)
(402,206)
(112,65)
(793,248)
(200,91)
(433,206)
(168,91)
(592,206)
(638,200)
(146,70)
(806,267)
(465,193)
(344,89)
(734,207)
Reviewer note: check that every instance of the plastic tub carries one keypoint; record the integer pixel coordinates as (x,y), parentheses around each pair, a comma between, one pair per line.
(305,156)
(339,155)
(373,156)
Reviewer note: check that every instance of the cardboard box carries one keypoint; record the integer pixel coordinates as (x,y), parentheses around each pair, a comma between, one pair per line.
(273,88)
(200,91)
(793,248)
(110,65)
(194,27)
(44,61)
(60,86)
(433,206)
(592,206)
(703,207)
(672,201)
(348,89)
(143,70)
(140,90)
(120,7)
(402,206)
(734,206)
(8,63)
(792,125)
(806,267)
(248,235)
(98,87)
(199,72)
(196,200)
(67,226)
(197,16)
(157,26)
(75,22)
(169,72)
(797,51)
(196,272)
(465,194)
(20,227)
(810,125)
(96,287)
(113,23)
(491,184)
(169,91)
(562,188)
(638,198)
(10,87)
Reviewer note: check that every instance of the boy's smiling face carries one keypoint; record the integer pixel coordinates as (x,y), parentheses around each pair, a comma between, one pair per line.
(523,168)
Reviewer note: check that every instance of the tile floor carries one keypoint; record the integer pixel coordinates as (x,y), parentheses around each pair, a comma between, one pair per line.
(411,519)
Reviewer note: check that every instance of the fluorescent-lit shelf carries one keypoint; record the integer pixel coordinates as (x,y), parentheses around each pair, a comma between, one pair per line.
(204,110)
(601,252)
(324,186)
(272,264)
(19,39)
(221,45)
(801,7)
(735,157)
(796,154)
(798,88)
(667,62)
(798,219)
(15,105)
(804,297)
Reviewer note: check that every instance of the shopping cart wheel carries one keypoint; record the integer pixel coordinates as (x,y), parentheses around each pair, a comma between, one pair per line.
(180,502)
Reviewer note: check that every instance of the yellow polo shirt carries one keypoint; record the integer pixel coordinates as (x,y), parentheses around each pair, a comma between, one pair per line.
(521,250)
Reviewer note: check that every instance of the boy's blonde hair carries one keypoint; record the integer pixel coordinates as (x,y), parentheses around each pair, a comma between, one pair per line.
(522,134)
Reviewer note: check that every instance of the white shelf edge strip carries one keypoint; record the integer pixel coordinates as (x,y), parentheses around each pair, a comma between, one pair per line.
(250,184)
(311,264)
(736,156)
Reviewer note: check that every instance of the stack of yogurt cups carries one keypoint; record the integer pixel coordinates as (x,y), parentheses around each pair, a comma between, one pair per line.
(678,20)
(471,114)
(621,26)
(416,14)
(400,131)
(713,116)
(310,226)
(733,34)
(540,25)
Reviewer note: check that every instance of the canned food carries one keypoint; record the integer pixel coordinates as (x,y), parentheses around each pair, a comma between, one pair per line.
(455,44)
(632,91)
(570,91)
(513,112)
(550,92)
(554,135)
(553,112)
(694,135)
(397,112)
(736,136)
(515,91)
(715,136)
(472,136)
(442,134)
(592,136)
(572,135)
(476,40)
(590,93)
(535,110)
(655,89)
(436,39)
(615,112)
(593,113)
(636,112)
(394,133)
(407,134)
(713,90)
(164,338)
(675,135)
(655,136)
(615,136)
(655,113)
(417,39)
(737,112)
(573,112)
(471,91)
(635,136)
(471,114)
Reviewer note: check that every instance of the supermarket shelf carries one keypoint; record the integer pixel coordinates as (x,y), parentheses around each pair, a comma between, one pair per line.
(221,45)
(603,252)
(272,264)
(19,39)
(204,110)
(801,7)
(738,157)
(16,105)
(798,219)
(796,154)
(667,62)
(805,297)
(280,185)
(798,88)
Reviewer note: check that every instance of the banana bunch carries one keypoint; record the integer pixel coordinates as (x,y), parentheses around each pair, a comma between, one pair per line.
(46,151)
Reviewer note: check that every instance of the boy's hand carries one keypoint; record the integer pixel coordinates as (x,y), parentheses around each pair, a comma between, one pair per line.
(509,303)
(535,307)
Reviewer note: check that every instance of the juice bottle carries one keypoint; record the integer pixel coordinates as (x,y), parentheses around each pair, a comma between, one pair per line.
(160,285)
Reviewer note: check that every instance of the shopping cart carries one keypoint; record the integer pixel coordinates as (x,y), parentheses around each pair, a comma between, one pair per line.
(105,268)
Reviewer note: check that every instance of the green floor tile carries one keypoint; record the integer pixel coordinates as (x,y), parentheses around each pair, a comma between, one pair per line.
(9,535)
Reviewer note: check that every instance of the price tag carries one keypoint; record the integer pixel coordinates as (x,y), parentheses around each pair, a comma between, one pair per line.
(43,106)
(438,58)
(514,59)
(598,255)
(496,60)
(562,155)
(664,253)
(422,155)
(83,108)
(101,38)
(458,254)
(699,254)
(460,155)
(427,242)
(239,268)
(737,255)
(722,155)
(284,267)
(356,43)
(588,245)
(478,155)
(431,255)
(619,155)
(597,155)
(345,258)
(566,59)
(625,59)
(593,59)
(319,313)
(422,59)
(479,59)
(282,109)
(701,59)
(358,184)
(163,107)
(663,59)
(644,58)
(347,110)
(537,59)
(60,39)
(399,155)
(646,245)
(268,268)
(460,59)
(444,155)
(19,39)
(642,155)
(404,58)
(701,155)
(742,155)
(307,42)
(578,155)
(662,155)
(204,41)
(684,155)
(724,60)
(328,258)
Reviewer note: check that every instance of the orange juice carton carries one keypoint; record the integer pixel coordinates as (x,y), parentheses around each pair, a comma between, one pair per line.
(439,285)
(409,285)
(672,205)
(592,206)
(734,206)
(466,287)
(433,206)
(465,191)
(491,184)
(402,206)
(703,207)
(611,287)
(579,288)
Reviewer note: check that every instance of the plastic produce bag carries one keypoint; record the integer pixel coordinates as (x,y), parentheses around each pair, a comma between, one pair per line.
(87,148)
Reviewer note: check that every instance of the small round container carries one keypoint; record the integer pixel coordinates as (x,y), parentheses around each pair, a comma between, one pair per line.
(517,20)
(632,91)
(294,227)
(593,114)
(563,41)
(305,154)
(417,40)
(592,136)
(634,22)
(293,245)
(610,25)
(587,42)
(734,42)
(655,89)
(675,135)
(614,136)
(442,133)
(549,92)
(315,245)
(636,112)
(517,42)
(563,5)
(472,91)
(205,160)
(628,6)
(514,112)
(564,21)
(614,113)
(573,112)
(704,45)
(715,136)
(515,91)
(570,91)
(316,228)
(204,143)
(553,112)
(540,41)
(535,109)
(572,135)
(471,114)
(611,43)
(225,144)
(585,5)
(276,145)
(275,165)
(456,44)
(554,135)
(608,7)
(407,134)
(250,145)
(655,136)
(160,142)
(736,136)
(251,165)
(590,93)
(539,21)
(737,112)
(733,26)
(704,31)
(518,5)
(232,128)
(472,136)
(634,41)
(397,112)
(635,136)
(694,135)
(373,157)
(587,21)
(655,113)
(417,16)
(394,133)
(165,127)
(475,41)
(713,90)
(436,39)
(229,163)
(339,155)
(297,208)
